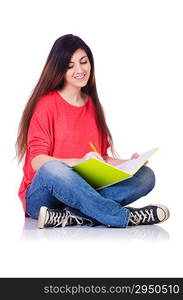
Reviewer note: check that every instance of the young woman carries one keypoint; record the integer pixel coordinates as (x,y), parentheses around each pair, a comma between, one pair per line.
(62,115)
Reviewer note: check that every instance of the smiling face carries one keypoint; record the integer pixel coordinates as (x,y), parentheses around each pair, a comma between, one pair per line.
(78,71)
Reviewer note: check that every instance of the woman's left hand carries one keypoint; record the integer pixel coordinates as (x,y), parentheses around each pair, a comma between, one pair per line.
(136,155)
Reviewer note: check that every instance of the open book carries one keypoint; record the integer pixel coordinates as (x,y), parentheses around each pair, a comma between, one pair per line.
(100,174)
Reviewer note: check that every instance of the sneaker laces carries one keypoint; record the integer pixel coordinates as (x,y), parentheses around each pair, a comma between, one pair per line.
(141,216)
(72,219)
(63,218)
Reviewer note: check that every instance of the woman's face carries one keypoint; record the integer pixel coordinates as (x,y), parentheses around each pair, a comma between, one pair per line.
(78,71)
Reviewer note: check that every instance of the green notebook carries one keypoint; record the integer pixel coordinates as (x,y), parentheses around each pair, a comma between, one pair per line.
(100,174)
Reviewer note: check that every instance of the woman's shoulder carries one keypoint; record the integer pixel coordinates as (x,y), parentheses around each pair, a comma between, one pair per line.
(46,102)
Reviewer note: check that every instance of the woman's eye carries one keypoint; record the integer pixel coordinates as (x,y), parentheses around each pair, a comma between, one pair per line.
(83,62)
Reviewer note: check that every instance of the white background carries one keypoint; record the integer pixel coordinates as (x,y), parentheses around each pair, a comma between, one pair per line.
(137,48)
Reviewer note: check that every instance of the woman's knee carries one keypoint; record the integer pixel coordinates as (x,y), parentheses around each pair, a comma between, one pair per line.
(148,177)
(55,168)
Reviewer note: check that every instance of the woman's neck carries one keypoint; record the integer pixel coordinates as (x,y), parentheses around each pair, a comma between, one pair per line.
(73,95)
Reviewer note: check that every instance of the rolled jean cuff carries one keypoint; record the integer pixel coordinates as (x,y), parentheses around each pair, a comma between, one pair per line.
(126,218)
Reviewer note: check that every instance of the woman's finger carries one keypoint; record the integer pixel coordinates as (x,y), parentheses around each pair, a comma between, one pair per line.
(135,155)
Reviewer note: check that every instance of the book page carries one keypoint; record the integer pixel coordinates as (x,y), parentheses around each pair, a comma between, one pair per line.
(133,165)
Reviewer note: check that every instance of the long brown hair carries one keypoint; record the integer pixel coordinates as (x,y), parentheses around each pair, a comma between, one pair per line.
(52,78)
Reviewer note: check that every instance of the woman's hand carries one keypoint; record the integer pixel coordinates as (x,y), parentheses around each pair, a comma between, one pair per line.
(136,155)
(91,155)
(86,157)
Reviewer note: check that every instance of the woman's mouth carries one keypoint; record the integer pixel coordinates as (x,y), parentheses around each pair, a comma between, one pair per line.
(80,77)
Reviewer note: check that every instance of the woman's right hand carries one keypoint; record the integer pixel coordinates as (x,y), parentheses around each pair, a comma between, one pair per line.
(86,157)
(91,155)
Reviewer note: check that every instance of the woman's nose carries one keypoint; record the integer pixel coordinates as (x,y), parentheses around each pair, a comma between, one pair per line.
(79,68)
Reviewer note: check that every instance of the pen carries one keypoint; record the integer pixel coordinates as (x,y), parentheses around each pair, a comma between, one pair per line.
(92,146)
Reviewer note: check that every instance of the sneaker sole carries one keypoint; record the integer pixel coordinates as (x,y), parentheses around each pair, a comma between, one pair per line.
(42,217)
(165,209)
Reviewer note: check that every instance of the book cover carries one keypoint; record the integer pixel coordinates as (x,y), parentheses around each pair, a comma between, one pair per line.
(100,174)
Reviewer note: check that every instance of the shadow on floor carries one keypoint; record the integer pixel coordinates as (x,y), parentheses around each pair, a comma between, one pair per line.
(147,233)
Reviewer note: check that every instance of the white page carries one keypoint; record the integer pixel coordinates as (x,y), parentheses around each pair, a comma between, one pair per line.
(132,165)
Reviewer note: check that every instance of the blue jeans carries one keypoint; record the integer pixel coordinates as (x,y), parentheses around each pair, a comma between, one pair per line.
(57,185)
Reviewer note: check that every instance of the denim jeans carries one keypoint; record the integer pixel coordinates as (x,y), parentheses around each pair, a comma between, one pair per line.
(57,185)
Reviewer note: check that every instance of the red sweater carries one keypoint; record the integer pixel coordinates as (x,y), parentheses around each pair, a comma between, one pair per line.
(61,130)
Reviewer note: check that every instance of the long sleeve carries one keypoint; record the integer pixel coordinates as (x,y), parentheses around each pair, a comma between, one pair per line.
(39,141)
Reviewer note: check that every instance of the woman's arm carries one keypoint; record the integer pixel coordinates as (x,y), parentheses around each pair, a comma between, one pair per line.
(41,159)
(114,161)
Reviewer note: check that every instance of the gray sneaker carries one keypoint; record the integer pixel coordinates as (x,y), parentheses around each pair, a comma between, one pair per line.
(148,215)
(49,217)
